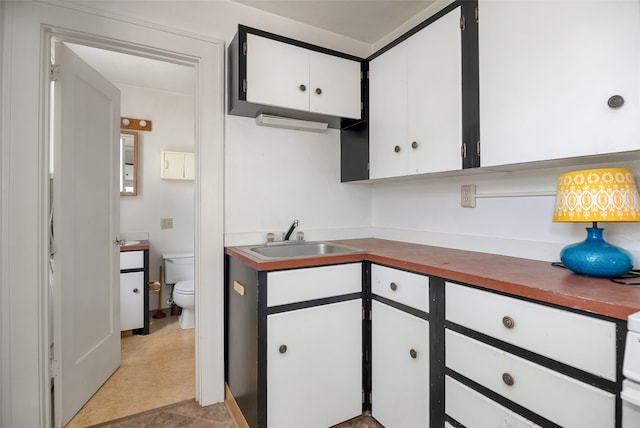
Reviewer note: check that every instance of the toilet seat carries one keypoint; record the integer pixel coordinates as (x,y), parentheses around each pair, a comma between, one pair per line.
(184,287)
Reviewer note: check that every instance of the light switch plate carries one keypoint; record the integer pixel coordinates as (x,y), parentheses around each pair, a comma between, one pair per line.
(166,223)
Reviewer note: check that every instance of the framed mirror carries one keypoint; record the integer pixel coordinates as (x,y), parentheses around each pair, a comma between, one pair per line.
(128,163)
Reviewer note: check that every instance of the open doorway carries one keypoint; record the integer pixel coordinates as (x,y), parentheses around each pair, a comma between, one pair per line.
(159,368)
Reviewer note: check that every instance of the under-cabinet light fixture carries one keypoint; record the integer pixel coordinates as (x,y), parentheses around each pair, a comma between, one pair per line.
(289,123)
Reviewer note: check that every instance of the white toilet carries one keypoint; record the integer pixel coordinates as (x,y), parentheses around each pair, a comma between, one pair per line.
(179,271)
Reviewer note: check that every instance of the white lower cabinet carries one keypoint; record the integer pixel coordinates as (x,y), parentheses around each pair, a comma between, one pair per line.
(131,300)
(530,385)
(503,326)
(314,365)
(399,368)
(474,410)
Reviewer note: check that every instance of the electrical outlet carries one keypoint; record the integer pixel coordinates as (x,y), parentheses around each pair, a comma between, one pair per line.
(166,223)
(468,195)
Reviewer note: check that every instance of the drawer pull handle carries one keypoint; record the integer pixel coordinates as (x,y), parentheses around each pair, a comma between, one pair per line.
(302,88)
(508,322)
(413,354)
(507,379)
(393,286)
(414,145)
(396,149)
(318,91)
(282,349)
(135,290)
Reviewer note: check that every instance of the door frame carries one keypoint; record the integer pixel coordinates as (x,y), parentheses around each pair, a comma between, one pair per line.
(25,369)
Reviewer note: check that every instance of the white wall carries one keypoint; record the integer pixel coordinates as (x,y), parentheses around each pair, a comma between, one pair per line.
(427,211)
(172,119)
(273,176)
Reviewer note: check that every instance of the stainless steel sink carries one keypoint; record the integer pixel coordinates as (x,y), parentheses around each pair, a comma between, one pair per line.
(295,249)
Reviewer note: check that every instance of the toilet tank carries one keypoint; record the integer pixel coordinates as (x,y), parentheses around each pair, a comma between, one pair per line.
(177,267)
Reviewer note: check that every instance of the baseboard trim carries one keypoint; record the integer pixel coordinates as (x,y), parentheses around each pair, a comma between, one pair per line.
(235,412)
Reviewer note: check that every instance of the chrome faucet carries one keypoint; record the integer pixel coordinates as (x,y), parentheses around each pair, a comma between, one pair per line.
(290,231)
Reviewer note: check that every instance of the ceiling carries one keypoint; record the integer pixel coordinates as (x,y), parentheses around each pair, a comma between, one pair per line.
(364,20)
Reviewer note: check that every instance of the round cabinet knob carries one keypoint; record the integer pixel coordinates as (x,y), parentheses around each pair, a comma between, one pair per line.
(615,101)
(507,379)
(135,290)
(393,286)
(508,322)
(282,349)
(414,145)
(318,91)
(396,149)
(302,88)
(413,354)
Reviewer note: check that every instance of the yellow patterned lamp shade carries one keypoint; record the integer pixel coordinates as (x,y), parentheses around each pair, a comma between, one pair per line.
(592,195)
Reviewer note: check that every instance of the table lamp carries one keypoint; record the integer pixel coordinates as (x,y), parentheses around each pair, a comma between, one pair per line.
(593,195)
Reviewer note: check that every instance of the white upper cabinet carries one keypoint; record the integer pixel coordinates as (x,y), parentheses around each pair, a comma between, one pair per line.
(547,71)
(415,104)
(284,75)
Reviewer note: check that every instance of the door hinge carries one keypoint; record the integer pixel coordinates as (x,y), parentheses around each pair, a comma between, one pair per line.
(476,14)
(244,85)
(463,23)
(478,147)
(244,48)
(54,72)
(363,396)
(464,150)
(361,106)
(363,314)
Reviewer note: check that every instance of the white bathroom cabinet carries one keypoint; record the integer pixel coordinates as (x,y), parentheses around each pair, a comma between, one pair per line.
(134,291)
(177,165)
(547,71)
(415,107)
(131,300)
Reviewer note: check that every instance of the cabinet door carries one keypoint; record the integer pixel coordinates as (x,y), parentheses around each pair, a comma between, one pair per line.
(131,300)
(399,377)
(435,97)
(334,85)
(388,113)
(277,73)
(172,165)
(547,70)
(314,365)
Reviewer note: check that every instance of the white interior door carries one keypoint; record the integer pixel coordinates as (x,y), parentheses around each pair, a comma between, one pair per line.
(86,295)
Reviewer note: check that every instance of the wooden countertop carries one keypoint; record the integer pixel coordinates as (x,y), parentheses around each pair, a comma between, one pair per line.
(522,277)
(143,245)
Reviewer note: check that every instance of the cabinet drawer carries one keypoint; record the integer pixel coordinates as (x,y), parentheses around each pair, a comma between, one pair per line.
(577,340)
(299,285)
(474,410)
(408,288)
(131,260)
(534,387)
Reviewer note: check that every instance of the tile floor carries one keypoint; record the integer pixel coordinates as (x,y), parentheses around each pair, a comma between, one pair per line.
(191,414)
(156,370)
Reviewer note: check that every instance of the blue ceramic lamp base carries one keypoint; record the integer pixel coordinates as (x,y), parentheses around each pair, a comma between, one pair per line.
(595,257)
